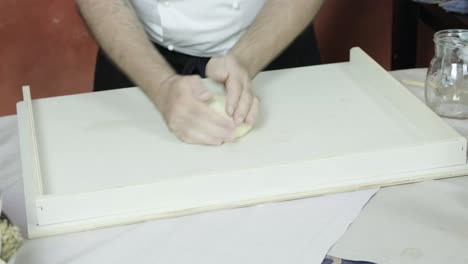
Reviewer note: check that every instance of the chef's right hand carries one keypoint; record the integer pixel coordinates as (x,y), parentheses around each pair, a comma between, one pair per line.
(182,102)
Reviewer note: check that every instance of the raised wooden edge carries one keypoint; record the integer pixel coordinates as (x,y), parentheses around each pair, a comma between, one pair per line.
(125,219)
(206,188)
(90,226)
(378,82)
(30,119)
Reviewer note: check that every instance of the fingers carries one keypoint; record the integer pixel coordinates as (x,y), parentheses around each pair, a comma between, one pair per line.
(212,123)
(239,98)
(243,106)
(197,137)
(217,119)
(234,88)
(202,125)
(208,121)
(253,112)
(191,119)
(242,100)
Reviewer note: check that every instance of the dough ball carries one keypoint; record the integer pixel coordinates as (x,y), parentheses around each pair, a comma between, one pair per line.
(218,103)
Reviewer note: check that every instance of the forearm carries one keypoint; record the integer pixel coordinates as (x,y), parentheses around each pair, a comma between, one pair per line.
(275,27)
(120,34)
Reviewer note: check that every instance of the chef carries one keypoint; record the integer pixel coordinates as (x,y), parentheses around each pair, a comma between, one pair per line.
(166,47)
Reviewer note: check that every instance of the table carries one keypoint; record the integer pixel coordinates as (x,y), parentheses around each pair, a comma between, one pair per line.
(298,231)
(424,222)
(417,223)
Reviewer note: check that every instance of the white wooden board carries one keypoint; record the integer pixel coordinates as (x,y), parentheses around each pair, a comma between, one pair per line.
(106,158)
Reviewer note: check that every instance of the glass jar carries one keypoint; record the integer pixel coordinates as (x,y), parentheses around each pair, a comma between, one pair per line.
(446,86)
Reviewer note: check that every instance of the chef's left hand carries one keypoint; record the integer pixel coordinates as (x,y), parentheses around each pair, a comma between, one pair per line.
(241,104)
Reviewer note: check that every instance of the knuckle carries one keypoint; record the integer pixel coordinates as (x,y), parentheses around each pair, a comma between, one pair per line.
(172,126)
(172,123)
(174,118)
(184,135)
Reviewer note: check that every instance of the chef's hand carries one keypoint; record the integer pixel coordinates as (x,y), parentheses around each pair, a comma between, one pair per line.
(241,104)
(182,102)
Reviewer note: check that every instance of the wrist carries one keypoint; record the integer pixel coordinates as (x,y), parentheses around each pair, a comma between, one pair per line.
(151,81)
(156,88)
(241,59)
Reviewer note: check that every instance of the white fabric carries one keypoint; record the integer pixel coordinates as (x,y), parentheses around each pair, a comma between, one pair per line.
(422,223)
(300,231)
(200,28)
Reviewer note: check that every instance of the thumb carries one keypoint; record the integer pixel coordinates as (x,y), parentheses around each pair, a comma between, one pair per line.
(216,70)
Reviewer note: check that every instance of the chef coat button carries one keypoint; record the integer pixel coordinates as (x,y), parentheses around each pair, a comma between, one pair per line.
(166,3)
(170,47)
(235,5)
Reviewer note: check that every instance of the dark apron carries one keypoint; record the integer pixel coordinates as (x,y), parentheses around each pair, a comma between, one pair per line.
(303,51)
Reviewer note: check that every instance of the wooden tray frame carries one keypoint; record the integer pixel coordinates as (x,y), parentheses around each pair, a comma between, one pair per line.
(41,224)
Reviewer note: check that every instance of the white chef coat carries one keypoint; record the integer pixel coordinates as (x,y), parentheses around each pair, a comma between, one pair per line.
(202,28)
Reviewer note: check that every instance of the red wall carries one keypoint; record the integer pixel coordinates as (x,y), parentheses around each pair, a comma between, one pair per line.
(44,44)
(342,25)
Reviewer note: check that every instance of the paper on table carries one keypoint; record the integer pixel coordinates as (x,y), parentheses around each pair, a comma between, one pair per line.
(300,231)
(418,223)
(10,166)
(423,223)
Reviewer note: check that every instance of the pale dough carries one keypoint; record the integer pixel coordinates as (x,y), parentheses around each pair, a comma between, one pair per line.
(218,103)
